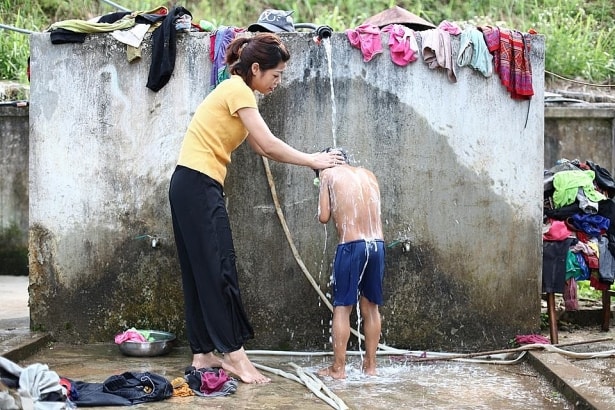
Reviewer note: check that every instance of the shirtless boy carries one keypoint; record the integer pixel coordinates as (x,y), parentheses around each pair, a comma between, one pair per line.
(351,196)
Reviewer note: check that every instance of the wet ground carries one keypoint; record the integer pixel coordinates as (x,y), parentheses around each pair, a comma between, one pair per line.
(441,385)
(541,380)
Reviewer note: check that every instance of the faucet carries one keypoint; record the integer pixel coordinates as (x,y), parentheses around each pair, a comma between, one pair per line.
(405,244)
(155,239)
(321,32)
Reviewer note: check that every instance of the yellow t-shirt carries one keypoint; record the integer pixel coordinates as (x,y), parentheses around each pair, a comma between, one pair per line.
(216,130)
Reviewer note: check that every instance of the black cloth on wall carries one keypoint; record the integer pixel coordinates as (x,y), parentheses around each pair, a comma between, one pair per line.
(164,50)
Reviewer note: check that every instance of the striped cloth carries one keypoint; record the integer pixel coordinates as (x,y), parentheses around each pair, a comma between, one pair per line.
(510,50)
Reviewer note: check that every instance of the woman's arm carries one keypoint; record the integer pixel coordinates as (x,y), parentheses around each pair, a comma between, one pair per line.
(264,143)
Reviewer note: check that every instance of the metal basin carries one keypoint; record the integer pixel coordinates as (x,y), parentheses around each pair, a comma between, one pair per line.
(162,343)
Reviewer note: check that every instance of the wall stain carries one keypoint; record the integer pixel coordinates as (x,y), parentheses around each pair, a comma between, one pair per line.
(131,284)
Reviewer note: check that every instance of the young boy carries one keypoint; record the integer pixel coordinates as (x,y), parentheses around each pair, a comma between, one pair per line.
(351,196)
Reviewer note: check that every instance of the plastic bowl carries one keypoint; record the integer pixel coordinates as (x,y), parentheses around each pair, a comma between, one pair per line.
(162,343)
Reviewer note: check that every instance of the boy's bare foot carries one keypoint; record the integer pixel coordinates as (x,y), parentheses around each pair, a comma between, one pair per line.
(237,362)
(370,371)
(332,371)
(204,360)
(369,367)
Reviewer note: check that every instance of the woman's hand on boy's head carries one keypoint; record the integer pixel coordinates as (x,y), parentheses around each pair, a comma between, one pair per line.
(324,160)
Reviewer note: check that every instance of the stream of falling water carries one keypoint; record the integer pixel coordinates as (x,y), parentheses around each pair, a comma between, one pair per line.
(326,42)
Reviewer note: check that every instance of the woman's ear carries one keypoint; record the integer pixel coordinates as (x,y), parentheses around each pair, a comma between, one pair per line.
(255,68)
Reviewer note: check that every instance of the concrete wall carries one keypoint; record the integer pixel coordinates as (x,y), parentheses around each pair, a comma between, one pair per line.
(585,132)
(13,190)
(460,170)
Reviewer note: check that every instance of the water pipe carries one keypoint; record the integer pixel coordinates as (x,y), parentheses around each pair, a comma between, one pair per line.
(321,32)
(19,104)
(318,388)
(17,29)
(429,356)
(117,6)
(309,380)
(308,26)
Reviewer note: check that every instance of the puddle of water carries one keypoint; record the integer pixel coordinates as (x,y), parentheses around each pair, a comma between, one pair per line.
(436,385)
(445,385)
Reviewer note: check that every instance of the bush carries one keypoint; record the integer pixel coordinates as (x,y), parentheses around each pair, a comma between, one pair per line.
(578,43)
(14,46)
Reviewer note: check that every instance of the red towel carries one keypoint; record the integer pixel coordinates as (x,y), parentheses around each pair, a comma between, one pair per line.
(531,339)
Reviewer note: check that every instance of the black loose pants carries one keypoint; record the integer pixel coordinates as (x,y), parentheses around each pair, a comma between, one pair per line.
(215,316)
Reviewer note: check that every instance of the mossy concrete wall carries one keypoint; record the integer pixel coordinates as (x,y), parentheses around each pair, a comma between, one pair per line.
(460,166)
(581,131)
(14,133)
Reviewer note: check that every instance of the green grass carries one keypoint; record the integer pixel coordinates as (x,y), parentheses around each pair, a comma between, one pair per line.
(584,290)
(14,46)
(580,35)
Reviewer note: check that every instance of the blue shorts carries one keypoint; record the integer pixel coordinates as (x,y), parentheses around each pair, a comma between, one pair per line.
(358,270)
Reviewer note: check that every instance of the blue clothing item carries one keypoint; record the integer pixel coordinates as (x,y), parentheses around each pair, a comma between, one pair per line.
(592,225)
(607,262)
(358,270)
(139,387)
(219,70)
(583,266)
(92,395)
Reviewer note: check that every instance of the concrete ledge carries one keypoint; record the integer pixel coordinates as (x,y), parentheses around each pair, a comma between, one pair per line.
(584,111)
(19,344)
(583,389)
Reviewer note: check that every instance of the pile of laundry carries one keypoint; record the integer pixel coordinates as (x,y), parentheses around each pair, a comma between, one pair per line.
(36,386)
(578,229)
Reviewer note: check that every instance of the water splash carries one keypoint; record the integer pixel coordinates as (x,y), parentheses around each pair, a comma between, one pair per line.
(326,42)
(442,386)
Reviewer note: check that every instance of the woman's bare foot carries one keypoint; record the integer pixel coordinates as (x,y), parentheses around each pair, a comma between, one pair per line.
(204,360)
(333,371)
(237,362)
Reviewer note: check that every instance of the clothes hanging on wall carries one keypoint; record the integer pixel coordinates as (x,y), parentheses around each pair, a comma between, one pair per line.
(487,49)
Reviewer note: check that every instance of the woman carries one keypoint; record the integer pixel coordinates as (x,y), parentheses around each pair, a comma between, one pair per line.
(215,316)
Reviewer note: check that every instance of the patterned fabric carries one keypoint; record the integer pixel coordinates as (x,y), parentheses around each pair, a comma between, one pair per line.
(510,50)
